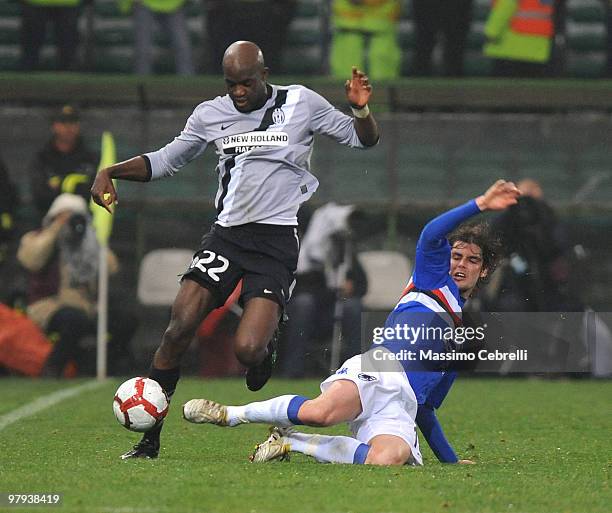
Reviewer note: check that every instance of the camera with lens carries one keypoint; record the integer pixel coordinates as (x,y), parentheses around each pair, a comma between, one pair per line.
(76,226)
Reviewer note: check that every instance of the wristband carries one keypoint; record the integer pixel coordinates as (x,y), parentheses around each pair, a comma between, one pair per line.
(361,113)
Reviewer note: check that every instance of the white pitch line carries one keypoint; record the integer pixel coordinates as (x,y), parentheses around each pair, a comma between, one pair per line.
(44,402)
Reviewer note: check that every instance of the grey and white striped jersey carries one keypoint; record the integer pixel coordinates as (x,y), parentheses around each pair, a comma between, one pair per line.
(264,155)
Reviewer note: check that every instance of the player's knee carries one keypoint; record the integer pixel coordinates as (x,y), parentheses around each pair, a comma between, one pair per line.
(249,350)
(388,455)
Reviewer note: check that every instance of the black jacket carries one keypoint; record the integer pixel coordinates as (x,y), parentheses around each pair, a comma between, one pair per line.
(9,201)
(52,173)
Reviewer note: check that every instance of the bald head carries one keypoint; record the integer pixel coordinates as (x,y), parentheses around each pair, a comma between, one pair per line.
(245,76)
(243,56)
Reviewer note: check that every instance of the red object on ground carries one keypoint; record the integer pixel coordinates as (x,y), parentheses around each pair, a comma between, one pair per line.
(23,346)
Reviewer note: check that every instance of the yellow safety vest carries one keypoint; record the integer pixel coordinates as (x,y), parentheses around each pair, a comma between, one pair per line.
(370,16)
(520,30)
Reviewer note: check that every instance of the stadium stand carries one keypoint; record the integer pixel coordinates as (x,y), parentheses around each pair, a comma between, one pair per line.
(476,64)
(305,46)
(109,46)
(9,35)
(586,38)
(113,38)
(108,39)
(406,38)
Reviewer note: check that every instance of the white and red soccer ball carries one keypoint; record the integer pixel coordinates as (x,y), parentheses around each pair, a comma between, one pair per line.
(140,404)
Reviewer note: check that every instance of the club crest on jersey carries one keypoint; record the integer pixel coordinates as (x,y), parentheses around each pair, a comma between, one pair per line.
(365,377)
(278,116)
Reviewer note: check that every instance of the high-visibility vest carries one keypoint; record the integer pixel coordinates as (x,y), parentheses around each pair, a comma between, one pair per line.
(371,15)
(534,17)
(161,6)
(521,30)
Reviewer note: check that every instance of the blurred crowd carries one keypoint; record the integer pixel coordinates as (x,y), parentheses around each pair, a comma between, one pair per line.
(48,290)
(522,37)
(49,275)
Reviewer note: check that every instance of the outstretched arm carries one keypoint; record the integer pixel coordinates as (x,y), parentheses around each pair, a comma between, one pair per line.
(188,145)
(432,259)
(434,234)
(432,431)
(499,196)
(358,92)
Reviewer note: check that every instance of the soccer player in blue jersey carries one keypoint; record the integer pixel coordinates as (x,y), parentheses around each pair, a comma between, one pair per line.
(383,405)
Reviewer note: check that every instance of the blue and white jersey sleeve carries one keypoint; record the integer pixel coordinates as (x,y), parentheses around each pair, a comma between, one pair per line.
(187,146)
(325,119)
(432,260)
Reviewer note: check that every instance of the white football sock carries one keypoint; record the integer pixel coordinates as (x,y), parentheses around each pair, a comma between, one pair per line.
(332,449)
(275,411)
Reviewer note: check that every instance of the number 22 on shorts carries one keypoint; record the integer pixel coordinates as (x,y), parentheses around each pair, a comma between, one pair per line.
(208,257)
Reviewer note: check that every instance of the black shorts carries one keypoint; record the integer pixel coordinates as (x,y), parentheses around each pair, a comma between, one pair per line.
(264,256)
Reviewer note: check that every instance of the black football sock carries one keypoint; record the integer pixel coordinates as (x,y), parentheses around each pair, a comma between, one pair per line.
(167,378)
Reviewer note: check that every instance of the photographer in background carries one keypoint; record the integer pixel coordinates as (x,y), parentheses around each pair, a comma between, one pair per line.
(62,263)
(330,285)
(535,275)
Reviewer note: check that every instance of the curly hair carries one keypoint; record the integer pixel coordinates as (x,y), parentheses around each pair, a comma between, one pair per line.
(479,234)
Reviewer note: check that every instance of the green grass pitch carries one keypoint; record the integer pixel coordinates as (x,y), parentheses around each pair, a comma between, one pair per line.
(540,446)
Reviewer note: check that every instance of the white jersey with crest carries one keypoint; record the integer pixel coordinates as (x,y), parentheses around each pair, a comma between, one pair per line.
(264,155)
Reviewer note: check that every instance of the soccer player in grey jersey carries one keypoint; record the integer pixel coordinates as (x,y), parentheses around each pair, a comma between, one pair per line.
(263,136)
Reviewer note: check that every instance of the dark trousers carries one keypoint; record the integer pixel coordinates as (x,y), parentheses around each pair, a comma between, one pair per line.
(265,23)
(67,328)
(452,19)
(34,21)
(70,328)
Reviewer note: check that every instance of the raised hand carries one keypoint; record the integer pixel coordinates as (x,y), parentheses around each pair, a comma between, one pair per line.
(499,196)
(358,89)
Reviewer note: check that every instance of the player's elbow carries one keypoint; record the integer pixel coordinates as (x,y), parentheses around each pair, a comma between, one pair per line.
(428,233)
(368,141)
